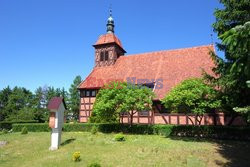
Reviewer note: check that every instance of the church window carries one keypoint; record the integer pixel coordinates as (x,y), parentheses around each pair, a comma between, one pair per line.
(93,93)
(87,93)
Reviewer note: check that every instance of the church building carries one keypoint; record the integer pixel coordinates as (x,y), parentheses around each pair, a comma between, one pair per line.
(159,70)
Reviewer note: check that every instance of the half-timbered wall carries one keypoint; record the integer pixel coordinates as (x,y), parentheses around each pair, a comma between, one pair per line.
(87,99)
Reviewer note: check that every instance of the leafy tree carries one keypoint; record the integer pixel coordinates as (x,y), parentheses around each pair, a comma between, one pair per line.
(74,100)
(19,99)
(231,71)
(237,41)
(50,92)
(118,98)
(234,12)
(107,103)
(22,104)
(42,98)
(192,96)
(40,112)
(4,98)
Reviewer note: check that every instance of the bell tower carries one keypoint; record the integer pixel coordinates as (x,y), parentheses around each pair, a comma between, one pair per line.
(108,47)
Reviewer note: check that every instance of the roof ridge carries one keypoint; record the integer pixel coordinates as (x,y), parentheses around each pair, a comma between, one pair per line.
(160,51)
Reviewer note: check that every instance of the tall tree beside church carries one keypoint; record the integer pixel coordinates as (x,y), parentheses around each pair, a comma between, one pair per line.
(74,100)
(234,91)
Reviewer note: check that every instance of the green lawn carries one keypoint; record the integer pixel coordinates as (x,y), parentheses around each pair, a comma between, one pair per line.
(138,150)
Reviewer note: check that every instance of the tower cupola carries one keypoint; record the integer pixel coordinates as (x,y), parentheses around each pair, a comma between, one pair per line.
(108,48)
(110,23)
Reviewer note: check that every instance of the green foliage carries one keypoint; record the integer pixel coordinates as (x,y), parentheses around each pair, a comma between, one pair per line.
(76,127)
(31,127)
(8,124)
(24,131)
(21,104)
(74,97)
(233,71)
(5,125)
(237,41)
(76,157)
(119,97)
(94,164)
(232,14)
(4,131)
(20,100)
(164,130)
(245,111)
(191,96)
(119,137)
(94,130)
(4,98)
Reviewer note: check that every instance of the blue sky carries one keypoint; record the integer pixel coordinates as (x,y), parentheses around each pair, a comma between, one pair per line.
(49,42)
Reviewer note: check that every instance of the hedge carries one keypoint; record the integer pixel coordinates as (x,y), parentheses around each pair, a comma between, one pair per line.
(219,132)
(8,124)
(32,127)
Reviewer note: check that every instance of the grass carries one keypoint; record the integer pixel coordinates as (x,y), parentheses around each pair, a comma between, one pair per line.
(138,150)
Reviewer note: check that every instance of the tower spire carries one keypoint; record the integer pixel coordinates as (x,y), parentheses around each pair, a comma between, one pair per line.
(110,22)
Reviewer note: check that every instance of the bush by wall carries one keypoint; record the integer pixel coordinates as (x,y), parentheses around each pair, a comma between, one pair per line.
(219,132)
(76,127)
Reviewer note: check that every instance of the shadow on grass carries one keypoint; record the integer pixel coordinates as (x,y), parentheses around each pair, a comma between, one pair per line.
(236,152)
(68,141)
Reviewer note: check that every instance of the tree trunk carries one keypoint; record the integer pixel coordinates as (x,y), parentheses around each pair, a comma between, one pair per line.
(122,115)
(131,118)
(190,120)
(199,119)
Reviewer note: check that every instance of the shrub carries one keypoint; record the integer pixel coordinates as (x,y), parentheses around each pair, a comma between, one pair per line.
(8,124)
(94,164)
(119,137)
(4,131)
(76,127)
(24,131)
(32,127)
(164,130)
(76,156)
(94,130)
(5,125)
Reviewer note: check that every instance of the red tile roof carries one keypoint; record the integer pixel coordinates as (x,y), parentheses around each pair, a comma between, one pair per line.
(108,38)
(172,66)
(55,103)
